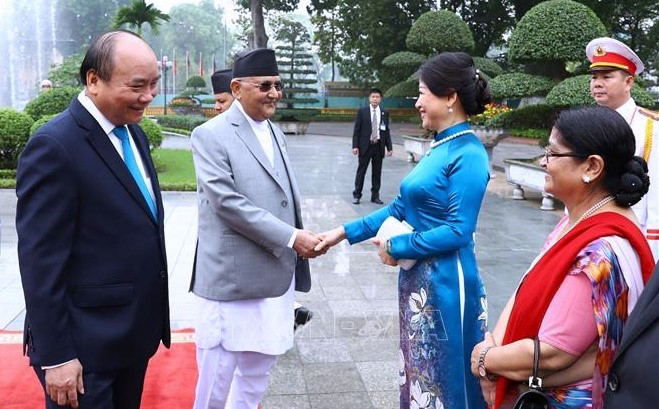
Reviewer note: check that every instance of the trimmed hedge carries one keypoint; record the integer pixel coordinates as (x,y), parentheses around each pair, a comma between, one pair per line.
(153,132)
(438,31)
(488,66)
(51,102)
(37,124)
(14,134)
(540,116)
(554,30)
(405,89)
(296,114)
(519,85)
(187,122)
(575,91)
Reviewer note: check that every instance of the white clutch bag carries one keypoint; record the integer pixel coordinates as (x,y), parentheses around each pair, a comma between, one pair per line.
(394,227)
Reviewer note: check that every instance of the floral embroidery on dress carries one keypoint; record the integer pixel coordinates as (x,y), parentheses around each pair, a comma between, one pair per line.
(402,377)
(483,316)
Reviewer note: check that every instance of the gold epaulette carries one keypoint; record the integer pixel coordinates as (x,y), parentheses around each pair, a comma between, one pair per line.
(649,113)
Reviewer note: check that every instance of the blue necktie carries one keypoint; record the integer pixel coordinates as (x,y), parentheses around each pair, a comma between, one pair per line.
(122,133)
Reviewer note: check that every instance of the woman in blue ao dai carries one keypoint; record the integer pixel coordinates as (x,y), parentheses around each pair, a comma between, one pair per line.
(442,304)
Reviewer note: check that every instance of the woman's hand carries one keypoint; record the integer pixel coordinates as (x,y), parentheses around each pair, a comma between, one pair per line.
(330,238)
(384,256)
(476,352)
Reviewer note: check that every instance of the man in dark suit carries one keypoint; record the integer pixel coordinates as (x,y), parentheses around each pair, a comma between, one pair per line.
(370,137)
(91,243)
(633,378)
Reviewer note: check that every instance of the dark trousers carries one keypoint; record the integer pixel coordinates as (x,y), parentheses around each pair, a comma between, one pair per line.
(120,389)
(373,154)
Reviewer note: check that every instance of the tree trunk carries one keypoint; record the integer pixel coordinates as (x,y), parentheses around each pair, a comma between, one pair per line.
(258,38)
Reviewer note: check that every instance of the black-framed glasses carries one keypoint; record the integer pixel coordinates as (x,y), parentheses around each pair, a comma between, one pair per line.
(265,86)
(549,154)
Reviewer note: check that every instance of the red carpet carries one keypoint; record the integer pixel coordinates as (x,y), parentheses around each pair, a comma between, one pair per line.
(170,379)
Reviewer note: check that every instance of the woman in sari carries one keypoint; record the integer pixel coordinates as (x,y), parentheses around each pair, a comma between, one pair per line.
(577,294)
(441,298)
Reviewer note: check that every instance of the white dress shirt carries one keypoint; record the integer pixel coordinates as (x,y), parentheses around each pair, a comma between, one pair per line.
(108,127)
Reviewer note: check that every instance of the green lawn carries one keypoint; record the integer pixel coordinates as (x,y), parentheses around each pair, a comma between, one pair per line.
(175,169)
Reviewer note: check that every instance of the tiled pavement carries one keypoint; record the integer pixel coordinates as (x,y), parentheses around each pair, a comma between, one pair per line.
(346,357)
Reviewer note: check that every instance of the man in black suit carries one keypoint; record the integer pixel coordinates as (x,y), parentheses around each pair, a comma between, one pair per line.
(370,137)
(91,244)
(634,376)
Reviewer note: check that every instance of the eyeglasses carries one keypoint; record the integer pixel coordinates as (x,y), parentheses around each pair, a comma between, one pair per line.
(265,86)
(549,154)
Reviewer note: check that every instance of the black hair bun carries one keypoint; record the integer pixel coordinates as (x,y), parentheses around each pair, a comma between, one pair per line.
(634,183)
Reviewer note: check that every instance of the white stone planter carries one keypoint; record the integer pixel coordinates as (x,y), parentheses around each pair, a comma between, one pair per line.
(524,173)
(297,128)
(490,137)
(415,145)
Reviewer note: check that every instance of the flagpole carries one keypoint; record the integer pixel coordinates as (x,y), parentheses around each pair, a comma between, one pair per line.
(201,65)
(187,66)
(174,71)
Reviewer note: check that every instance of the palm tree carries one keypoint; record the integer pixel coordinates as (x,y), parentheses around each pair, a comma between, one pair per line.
(138,14)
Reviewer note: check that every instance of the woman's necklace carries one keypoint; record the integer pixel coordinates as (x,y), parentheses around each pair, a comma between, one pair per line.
(589,212)
(435,144)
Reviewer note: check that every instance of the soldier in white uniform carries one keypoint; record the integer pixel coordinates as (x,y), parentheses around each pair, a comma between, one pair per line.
(613,68)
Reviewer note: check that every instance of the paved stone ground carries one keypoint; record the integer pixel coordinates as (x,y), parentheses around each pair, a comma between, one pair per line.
(346,357)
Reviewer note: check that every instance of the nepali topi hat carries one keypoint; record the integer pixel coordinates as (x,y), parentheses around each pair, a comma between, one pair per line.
(221,80)
(607,54)
(260,62)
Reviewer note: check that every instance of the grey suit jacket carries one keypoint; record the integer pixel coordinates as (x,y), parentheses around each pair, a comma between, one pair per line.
(634,376)
(242,251)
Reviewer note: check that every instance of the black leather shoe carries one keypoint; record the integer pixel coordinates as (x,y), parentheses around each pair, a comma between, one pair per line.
(355,200)
(302,316)
(377,200)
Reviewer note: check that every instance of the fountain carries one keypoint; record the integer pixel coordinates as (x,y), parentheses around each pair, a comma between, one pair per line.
(28,48)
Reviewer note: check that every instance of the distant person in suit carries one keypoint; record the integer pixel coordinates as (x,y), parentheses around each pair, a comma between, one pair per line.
(253,249)
(633,376)
(221,81)
(369,139)
(91,245)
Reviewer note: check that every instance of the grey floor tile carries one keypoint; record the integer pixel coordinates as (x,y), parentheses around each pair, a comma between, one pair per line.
(379,376)
(286,402)
(385,399)
(332,377)
(287,379)
(342,292)
(364,349)
(323,350)
(341,401)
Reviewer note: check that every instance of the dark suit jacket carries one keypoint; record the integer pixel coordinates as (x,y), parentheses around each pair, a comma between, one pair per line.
(92,258)
(361,136)
(634,376)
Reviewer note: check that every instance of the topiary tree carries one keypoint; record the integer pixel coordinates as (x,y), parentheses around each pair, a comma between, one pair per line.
(575,91)
(195,82)
(519,85)
(488,66)
(67,73)
(403,63)
(153,132)
(553,33)
(438,31)
(51,102)
(39,122)
(404,89)
(296,68)
(14,133)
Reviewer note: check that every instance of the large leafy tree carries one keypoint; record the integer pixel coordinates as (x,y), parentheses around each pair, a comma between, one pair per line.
(138,14)
(296,65)
(364,33)
(257,35)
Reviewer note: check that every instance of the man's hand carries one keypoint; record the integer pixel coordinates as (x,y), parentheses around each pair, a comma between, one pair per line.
(391,152)
(64,383)
(304,244)
(384,256)
(330,239)
(355,151)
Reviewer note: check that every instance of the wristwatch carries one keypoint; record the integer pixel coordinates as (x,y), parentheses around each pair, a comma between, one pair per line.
(387,246)
(482,371)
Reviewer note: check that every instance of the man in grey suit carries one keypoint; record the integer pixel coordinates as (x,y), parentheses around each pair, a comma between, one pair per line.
(633,378)
(252,246)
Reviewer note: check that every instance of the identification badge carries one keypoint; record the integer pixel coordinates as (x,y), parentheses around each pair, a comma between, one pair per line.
(383,127)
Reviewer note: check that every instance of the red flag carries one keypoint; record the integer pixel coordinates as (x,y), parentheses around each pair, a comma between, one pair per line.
(201,66)
(174,62)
